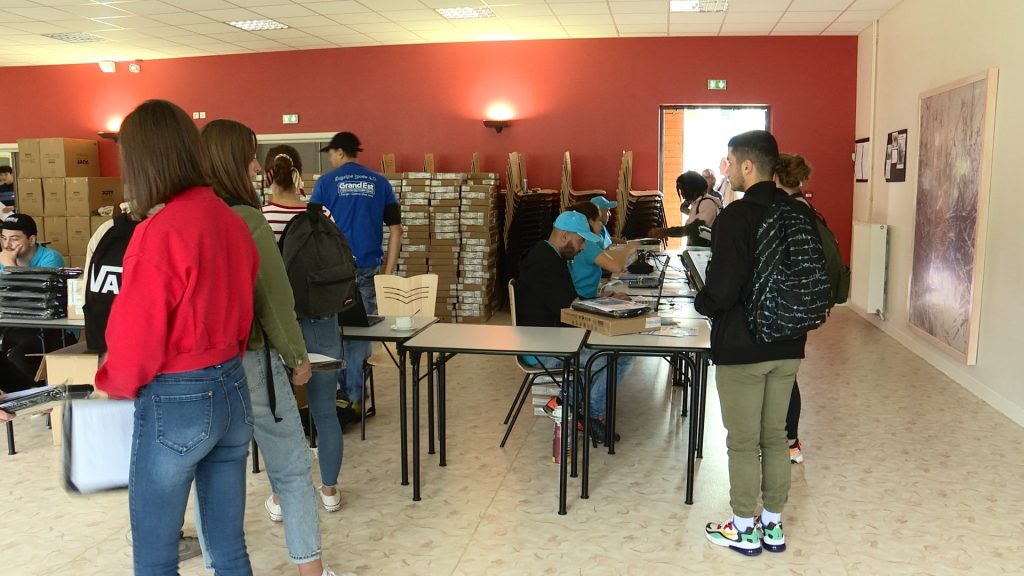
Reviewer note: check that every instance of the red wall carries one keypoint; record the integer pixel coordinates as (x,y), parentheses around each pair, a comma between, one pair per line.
(594,98)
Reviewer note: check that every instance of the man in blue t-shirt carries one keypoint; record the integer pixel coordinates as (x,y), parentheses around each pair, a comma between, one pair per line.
(362,203)
(6,189)
(20,347)
(18,238)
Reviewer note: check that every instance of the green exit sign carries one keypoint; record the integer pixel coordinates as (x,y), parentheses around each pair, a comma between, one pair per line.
(289,118)
(716,84)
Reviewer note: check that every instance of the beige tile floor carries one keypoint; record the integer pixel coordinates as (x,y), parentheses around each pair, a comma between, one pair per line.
(906,473)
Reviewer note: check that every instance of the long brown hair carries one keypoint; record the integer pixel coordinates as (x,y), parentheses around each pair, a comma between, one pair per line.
(161,156)
(230,146)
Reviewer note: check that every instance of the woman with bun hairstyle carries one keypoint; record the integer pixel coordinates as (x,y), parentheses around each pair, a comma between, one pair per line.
(174,338)
(283,170)
(275,340)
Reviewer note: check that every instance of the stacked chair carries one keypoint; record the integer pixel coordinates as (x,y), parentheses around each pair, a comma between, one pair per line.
(529,215)
(36,293)
(570,196)
(639,210)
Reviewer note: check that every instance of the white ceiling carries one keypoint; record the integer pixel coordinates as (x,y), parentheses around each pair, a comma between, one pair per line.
(155,29)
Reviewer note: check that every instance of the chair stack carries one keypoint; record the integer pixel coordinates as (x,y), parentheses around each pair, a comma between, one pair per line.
(644,210)
(36,293)
(570,196)
(478,261)
(622,190)
(529,217)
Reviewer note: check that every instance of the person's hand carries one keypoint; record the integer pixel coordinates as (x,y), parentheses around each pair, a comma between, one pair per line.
(613,294)
(302,373)
(8,257)
(6,416)
(658,233)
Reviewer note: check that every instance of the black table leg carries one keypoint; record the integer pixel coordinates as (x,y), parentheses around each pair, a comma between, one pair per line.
(415,357)
(430,404)
(691,442)
(403,425)
(441,376)
(701,377)
(255,458)
(611,383)
(563,448)
(10,439)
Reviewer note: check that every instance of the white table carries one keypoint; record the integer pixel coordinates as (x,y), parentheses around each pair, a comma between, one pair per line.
(447,340)
(383,332)
(679,349)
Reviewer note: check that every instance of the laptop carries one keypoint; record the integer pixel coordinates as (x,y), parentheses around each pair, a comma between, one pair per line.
(612,307)
(357,317)
(696,261)
(658,283)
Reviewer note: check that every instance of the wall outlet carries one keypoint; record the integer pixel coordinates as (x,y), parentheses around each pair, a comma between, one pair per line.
(289,118)
(195,115)
(202,114)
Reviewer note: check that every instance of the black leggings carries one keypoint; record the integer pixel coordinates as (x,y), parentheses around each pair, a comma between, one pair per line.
(793,416)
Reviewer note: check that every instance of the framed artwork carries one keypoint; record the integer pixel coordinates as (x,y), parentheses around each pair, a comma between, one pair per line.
(954,171)
(896,156)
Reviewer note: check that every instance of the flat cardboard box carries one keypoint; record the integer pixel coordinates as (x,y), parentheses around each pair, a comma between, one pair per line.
(64,157)
(86,195)
(29,165)
(57,233)
(604,324)
(79,232)
(54,197)
(30,197)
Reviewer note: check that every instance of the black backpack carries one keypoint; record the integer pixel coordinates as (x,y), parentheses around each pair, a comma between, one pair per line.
(791,289)
(319,263)
(103,280)
(838,272)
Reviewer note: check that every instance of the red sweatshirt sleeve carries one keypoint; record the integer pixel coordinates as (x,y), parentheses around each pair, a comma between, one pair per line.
(138,328)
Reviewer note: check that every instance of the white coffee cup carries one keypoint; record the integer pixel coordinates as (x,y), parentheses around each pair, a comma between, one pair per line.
(403,322)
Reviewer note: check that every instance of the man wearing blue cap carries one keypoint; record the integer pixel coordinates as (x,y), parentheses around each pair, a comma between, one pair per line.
(545,287)
(604,205)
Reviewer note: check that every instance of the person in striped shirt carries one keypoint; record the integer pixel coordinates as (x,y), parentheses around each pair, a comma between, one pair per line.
(283,170)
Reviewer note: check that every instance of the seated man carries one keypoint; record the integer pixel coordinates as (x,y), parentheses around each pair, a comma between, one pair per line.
(545,287)
(18,242)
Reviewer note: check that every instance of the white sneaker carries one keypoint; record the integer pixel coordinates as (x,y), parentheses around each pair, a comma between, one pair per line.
(332,503)
(273,510)
(329,572)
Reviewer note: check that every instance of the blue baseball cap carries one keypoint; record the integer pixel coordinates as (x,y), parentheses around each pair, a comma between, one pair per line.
(578,223)
(603,203)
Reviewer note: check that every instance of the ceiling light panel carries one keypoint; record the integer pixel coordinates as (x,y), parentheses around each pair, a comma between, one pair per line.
(257,25)
(74,37)
(465,12)
(698,5)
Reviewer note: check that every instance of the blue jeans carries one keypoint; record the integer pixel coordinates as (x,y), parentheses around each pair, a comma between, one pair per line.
(193,425)
(321,336)
(351,378)
(599,385)
(285,455)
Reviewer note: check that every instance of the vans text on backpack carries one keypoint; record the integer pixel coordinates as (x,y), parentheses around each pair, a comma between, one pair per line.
(791,290)
(319,263)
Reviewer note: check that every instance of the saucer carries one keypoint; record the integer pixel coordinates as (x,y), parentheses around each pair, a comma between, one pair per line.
(406,329)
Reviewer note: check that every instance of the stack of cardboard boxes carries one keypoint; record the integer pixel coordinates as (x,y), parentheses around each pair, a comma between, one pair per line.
(478,260)
(415,204)
(59,185)
(445,240)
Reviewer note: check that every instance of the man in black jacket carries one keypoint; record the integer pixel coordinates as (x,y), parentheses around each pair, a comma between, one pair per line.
(754,380)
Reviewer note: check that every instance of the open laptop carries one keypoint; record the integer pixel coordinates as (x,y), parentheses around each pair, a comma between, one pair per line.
(357,317)
(660,285)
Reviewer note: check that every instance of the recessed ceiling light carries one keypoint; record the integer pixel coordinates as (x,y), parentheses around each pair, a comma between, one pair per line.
(698,5)
(258,25)
(465,12)
(76,37)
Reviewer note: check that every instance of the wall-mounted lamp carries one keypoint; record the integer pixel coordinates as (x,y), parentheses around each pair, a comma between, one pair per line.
(109,135)
(498,125)
(135,67)
(108,66)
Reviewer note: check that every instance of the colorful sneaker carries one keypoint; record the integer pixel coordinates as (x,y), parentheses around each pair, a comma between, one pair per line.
(725,534)
(273,509)
(772,536)
(795,455)
(554,408)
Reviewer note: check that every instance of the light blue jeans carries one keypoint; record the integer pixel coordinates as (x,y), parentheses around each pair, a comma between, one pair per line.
(190,426)
(351,378)
(285,456)
(599,385)
(321,336)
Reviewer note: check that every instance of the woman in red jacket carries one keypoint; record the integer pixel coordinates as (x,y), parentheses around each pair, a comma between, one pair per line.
(174,338)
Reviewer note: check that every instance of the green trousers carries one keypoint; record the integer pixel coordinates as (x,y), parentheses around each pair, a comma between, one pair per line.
(755,398)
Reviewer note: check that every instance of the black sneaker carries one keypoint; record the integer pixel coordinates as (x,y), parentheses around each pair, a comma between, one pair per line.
(598,430)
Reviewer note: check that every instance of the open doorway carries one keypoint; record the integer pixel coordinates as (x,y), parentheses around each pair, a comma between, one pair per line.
(696,138)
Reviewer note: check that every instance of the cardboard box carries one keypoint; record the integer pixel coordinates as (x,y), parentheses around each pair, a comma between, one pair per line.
(76,261)
(70,365)
(30,197)
(605,324)
(29,165)
(54,197)
(57,233)
(79,232)
(95,222)
(64,157)
(86,195)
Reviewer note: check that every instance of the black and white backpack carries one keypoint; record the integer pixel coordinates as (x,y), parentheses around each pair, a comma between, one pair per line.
(103,280)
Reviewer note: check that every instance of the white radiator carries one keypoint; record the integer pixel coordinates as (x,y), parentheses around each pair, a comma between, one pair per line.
(868,266)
